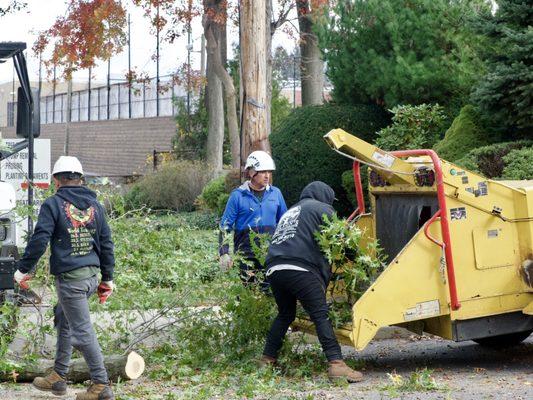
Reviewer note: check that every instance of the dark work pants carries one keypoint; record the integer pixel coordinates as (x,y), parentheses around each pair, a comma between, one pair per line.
(289,286)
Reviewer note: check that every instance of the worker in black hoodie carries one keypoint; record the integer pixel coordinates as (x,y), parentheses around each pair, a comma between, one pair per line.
(298,270)
(74,224)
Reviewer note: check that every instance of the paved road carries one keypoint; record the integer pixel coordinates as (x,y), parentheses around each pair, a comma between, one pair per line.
(469,372)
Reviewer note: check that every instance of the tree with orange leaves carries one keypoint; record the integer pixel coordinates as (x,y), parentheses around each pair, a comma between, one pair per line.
(91,30)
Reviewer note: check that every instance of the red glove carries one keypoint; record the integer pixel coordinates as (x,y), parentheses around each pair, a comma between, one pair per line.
(22,279)
(104,290)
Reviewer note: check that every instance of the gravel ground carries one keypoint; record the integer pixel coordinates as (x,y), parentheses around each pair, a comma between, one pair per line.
(466,370)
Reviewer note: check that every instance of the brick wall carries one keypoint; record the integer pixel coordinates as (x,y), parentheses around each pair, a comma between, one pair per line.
(110,148)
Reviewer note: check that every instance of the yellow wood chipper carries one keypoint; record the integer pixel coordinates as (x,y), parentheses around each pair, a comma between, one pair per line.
(459,248)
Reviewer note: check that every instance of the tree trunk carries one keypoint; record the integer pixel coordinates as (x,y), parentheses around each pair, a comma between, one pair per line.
(202,65)
(117,366)
(69,116)
(214,101)
(268,37)
(229,90)
(254,131)
(311,64)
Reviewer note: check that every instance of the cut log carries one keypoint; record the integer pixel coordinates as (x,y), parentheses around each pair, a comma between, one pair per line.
(118,366)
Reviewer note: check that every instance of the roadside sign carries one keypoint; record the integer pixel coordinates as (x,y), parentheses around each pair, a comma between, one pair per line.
(14,170)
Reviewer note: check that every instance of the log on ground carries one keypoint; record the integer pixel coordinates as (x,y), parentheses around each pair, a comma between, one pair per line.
(118,366)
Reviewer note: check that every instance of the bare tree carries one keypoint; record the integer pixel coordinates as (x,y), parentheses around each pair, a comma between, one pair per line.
(311,64)
(214,50)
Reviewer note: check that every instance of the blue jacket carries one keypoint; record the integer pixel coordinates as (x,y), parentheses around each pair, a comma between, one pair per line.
(244,212)
(74,223)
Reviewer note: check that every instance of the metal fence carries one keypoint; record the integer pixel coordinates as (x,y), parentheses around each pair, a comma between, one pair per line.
(114,101)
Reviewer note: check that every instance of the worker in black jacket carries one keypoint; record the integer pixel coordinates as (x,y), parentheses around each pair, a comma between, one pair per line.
(74,223)
(298,270)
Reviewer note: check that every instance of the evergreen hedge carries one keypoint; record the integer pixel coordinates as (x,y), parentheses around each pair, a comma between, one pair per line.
(491,161)
(302,155)
(466,133)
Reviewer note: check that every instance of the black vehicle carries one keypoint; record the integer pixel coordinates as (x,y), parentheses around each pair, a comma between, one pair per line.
(28,128)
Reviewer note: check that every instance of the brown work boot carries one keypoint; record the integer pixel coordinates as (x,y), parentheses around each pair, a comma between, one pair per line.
(338,370)
(53,382)
(266,361)
(97,391)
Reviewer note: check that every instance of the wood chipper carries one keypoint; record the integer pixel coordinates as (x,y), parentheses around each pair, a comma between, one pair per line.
(459,248)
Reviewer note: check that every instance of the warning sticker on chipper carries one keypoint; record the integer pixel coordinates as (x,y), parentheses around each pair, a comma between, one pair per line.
(425,309)
(383,158)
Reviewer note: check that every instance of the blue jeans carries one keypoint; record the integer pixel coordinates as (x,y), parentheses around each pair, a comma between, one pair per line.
(74,328)
(288,286)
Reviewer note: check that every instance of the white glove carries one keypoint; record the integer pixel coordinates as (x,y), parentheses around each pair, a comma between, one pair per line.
(22,279)
(225,262)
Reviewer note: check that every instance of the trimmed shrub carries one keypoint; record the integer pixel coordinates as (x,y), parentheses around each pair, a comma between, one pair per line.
(215,194)
(174,187)
(211,193)
(413,127)
(519,164)
(302,155)
(465,133)
(490,161)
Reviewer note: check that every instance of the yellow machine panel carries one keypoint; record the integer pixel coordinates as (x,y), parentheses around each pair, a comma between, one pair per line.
(490,230)
(487,239)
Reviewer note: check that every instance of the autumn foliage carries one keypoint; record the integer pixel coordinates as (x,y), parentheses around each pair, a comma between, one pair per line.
(90,30)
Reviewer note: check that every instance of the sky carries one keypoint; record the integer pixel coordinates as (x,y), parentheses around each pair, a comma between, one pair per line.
(41,14)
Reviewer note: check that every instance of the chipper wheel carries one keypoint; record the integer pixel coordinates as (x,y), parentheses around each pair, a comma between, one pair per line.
(510,339)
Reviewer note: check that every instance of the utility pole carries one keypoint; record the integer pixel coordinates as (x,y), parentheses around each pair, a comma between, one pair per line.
(108,84)
(13,99)
(129,66)
(157,63)
(189,49)
(89,96)
(254,134)
(54,97)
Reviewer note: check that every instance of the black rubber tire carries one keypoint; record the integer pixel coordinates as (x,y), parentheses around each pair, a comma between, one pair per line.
(510,339)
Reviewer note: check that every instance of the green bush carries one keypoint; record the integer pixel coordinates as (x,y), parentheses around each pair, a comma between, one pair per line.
(174,187)
(465,133)
(215,194)
(490,160)
(302,155)
(413,127)
(519,164)
(211,193)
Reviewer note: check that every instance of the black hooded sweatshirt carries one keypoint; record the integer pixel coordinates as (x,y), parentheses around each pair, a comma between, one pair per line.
(294,239)
(74,223)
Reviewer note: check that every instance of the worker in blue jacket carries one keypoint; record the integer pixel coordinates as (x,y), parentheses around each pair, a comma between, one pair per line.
(256,206)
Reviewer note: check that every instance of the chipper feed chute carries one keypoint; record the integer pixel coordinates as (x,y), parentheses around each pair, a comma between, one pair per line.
(459,248)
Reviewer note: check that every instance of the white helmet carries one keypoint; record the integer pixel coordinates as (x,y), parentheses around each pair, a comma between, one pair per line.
(67,164)
(260,161)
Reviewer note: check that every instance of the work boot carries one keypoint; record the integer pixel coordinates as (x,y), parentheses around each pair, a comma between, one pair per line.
(338,370)
(97,391)
(266,361)
(53,382)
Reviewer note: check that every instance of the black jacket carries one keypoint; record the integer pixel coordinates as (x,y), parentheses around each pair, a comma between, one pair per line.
(294,241)
(74,223)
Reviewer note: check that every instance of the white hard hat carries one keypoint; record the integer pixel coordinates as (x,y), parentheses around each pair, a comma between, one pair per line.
(260,161)
(67,164)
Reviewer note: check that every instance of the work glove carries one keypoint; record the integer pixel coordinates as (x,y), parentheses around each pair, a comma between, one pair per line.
(22,279)
(105,288)
(225,262)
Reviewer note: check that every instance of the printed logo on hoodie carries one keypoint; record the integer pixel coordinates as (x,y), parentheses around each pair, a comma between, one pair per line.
(81,235)
(287,226)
